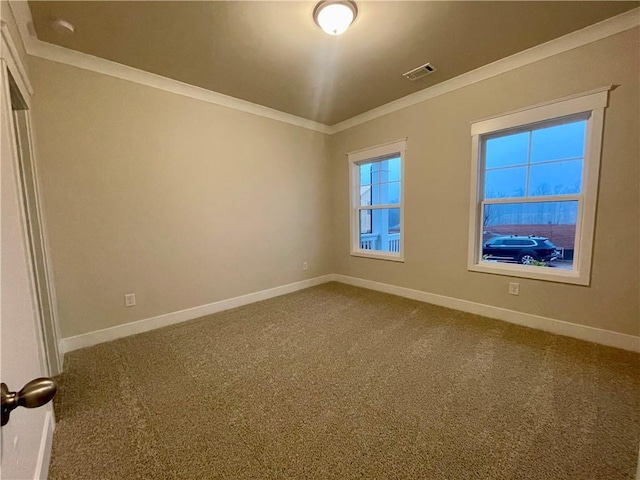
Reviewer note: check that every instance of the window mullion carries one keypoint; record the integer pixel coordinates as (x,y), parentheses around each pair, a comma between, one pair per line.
(545,199)
(544,162)
(378,207)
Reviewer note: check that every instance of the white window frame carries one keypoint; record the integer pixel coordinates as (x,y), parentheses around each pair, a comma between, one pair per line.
(590,103)
(370,155)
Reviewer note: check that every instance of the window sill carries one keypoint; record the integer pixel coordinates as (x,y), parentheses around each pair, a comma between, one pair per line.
(378,255)
(535,273)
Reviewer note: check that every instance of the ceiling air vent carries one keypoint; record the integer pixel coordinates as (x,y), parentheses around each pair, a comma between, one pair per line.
(421,71)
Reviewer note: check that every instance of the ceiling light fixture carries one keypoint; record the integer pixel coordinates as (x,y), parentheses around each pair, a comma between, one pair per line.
(335,16)
(63,27)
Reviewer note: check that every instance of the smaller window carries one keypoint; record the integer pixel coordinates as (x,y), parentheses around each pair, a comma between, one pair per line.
(377,201)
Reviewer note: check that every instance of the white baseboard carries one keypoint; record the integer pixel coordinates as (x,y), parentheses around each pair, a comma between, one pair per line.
(140,326)
(582,332)
(44,454)
(559,327)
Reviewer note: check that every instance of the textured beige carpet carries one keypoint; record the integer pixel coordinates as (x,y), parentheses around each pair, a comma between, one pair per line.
(340,382)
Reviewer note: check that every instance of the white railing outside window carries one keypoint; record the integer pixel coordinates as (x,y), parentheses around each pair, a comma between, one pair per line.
(369,241)
(377,196)
(394,242)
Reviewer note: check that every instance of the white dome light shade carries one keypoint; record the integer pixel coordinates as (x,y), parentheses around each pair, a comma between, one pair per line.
(334,17)
(63,27)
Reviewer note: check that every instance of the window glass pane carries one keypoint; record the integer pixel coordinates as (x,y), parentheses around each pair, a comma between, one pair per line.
(514,241)
(380,230)
(393,192)
(394,169)
(558,142)
(365,195)
(365,174)
(541,234)
(385,193)
(375,194)
(507,150)
(365,221)
(378,172)
(520,241)
(505,183)
(555,178)
(394,220)
(386,170)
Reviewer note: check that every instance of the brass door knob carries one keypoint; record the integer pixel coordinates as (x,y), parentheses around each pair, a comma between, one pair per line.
(34,394)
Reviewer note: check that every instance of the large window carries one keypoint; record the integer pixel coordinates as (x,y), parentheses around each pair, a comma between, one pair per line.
(534,190)
(377,193)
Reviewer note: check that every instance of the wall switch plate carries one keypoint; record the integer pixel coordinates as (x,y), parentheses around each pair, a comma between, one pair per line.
(514,288)
(130,300)
(305,266)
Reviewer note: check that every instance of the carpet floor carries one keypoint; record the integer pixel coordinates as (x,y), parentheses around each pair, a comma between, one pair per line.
(337,382)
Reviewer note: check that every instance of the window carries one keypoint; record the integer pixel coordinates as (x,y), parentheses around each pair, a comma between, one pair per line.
(376,201)
(534,188)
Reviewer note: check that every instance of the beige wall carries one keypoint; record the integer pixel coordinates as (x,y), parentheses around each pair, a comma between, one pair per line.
(437,179)
(187,203)
(180,201)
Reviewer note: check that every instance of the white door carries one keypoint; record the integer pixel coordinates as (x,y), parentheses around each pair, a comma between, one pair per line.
(26,439)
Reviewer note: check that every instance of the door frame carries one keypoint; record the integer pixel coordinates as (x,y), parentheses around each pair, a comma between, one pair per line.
(53,362)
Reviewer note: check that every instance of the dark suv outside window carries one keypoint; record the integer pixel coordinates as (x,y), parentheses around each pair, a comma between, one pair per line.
(521,249)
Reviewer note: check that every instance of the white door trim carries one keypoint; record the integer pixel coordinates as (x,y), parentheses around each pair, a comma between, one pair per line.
(19,73)
(54,360)
(14,62)
(10,62)
(44,454)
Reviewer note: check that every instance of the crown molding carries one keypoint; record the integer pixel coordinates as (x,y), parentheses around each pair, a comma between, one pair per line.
(113,69)
(590,34)
(56,53)
(579,38)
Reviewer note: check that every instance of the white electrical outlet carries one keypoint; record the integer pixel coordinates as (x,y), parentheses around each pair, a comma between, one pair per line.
(305,266)
(130,300)
(514,288)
